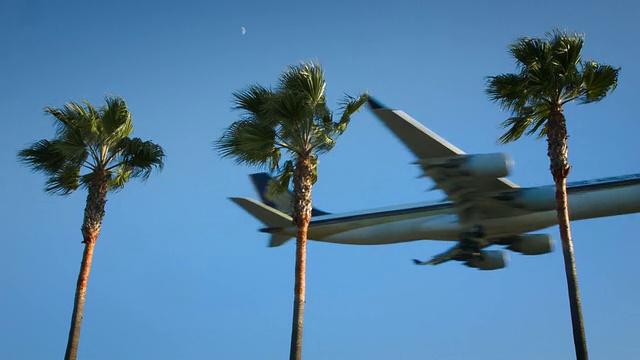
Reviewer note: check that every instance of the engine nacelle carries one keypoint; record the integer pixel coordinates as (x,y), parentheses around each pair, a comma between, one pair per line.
(489,260)
(529,244)
(534,199)
(477,165)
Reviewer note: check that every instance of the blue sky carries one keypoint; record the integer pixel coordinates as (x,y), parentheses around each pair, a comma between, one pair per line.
(181,273)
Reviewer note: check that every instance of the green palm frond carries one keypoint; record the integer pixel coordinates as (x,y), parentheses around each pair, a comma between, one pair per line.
(307,78)
(115,122)
(64,182)
(323,141)
(507,90)
(295,120)
(598,81)
(551,74)
(565,50)
(93,139)
(539,116)
(292,120)
(252,101)
(72,116)
(516,127)
(529,53)
(73,148)
(119,177)
(138,158)
(282,179)
(531,120)
(350,105)
(43,156)
(250,142)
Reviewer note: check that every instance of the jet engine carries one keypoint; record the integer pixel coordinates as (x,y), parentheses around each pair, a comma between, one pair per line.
(477,165)
(529,244)
(534,199)
(489,260)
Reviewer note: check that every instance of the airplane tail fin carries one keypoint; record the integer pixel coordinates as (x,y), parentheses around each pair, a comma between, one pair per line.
(281,202)
(269,216)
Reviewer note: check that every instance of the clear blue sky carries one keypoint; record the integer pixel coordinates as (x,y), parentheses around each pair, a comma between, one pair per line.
(181,273)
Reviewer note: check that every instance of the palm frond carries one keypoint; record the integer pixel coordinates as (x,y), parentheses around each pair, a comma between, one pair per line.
(598,81)
(76,120)
(116,122)
(306,78)
(64,182)
(529,53)
(516,127)
(70,116)
(293,119)
(565,50)
(250,142)
(350,105)
(91,138)
(323,141)
(509,91)
(44,156)
(119,177)
(282,179)
(252,101)
(539,116)
(551,74)
(139,158)
(527,121)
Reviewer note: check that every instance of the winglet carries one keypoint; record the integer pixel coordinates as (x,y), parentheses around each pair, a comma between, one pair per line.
(374,105)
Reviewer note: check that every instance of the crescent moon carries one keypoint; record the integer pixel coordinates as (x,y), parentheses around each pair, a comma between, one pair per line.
(243,30)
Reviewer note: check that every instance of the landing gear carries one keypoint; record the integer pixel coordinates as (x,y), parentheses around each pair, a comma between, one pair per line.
(471,243)
(475,232)
(468,249)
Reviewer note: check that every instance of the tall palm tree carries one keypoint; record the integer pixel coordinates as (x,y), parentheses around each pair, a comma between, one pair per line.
(293,119)
(552,74)
(91,149)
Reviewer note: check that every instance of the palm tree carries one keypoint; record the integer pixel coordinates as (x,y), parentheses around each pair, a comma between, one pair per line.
(552,74)
(91,149)
(293,119)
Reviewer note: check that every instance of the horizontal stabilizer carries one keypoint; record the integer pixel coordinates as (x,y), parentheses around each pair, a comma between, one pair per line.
(269,216)
(277,240)
(266,214)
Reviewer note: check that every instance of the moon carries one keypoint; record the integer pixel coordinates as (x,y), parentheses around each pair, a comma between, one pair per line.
(242,30)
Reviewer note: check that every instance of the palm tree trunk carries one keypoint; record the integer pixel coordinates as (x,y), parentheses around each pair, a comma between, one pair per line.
(558,154)
(579,336)
(93,215)
(78,304)
(302,183)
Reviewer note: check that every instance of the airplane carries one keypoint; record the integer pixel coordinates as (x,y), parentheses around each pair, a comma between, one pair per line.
(481,207)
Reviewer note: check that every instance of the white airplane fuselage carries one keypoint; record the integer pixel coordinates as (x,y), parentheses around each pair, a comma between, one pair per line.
(533,209)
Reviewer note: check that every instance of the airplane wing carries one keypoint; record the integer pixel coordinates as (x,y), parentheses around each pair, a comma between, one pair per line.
(468,180)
